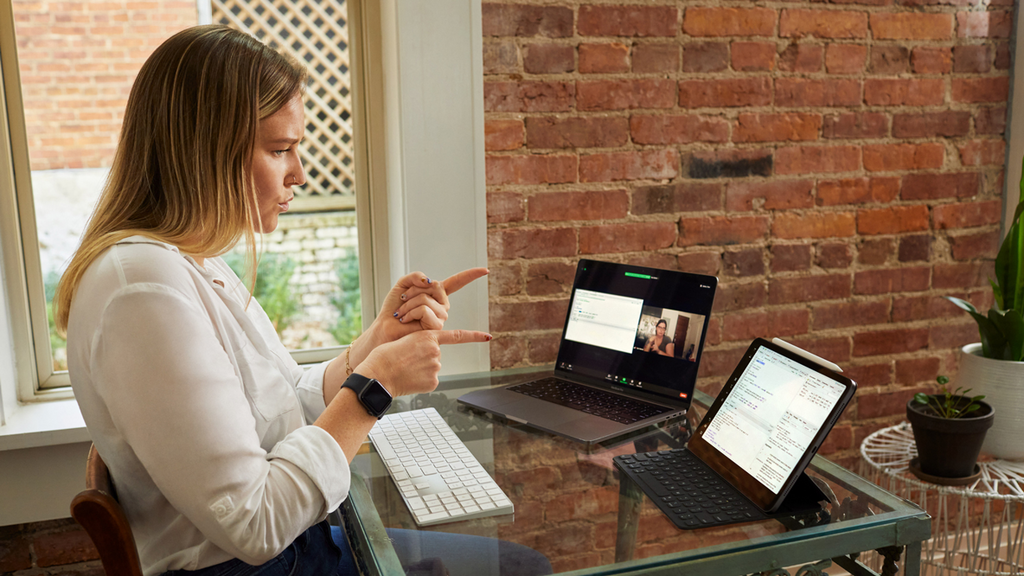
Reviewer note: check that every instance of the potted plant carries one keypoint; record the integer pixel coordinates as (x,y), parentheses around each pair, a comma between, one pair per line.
(994,367)
(949,429)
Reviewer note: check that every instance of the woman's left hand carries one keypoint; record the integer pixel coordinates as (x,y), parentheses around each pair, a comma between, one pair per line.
(419,303)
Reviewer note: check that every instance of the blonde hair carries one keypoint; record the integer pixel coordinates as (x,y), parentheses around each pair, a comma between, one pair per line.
(181,172)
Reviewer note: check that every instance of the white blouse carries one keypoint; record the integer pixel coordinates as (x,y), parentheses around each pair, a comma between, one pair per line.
(198,410)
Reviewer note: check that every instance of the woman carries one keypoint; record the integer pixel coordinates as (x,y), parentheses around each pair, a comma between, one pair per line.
(659,342)
(190,397)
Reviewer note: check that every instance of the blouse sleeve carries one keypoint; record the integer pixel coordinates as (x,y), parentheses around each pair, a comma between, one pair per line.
(175,397)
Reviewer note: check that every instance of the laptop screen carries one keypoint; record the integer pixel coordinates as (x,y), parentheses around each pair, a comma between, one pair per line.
(636,327)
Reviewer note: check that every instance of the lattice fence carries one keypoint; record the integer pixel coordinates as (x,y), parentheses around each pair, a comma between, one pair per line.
(314,32)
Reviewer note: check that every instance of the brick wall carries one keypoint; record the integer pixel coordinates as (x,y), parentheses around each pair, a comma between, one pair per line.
(838,166)
(77,61)
(60,547)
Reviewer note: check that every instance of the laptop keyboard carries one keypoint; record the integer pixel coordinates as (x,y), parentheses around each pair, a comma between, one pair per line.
(687,490)
(590,400)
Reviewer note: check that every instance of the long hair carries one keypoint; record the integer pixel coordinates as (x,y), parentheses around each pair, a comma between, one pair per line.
(181,173)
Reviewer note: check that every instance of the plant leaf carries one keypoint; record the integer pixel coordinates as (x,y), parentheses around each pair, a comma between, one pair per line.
(921,398)
(1011,324)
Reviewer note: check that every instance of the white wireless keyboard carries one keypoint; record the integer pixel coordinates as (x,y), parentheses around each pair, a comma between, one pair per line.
(439,478)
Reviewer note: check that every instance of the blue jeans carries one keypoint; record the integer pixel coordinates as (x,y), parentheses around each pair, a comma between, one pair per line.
(323,550)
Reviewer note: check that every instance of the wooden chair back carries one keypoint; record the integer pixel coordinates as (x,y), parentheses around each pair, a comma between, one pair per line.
(96,508)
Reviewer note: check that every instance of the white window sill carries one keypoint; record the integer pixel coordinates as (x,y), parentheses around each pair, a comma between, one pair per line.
(39,424)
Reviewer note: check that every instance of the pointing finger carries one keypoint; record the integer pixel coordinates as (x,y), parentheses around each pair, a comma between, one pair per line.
(460,279)
(461,336)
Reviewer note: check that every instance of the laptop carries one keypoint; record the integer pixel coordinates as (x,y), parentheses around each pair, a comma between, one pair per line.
(746,459)
(628,357)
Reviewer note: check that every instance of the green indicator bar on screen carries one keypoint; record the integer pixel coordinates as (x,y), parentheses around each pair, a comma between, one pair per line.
(635,275)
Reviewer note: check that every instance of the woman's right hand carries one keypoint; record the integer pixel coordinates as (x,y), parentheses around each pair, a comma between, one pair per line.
(411,364)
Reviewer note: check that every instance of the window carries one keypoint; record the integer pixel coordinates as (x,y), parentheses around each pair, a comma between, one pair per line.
(65,96)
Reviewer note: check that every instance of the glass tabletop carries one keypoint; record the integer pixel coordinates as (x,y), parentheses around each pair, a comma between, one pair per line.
(573,506)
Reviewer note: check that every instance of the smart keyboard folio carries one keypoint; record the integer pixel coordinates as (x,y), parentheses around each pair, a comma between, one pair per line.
(613,374)
(751,448)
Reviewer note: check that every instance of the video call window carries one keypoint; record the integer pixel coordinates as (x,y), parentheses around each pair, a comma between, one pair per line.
(669,332)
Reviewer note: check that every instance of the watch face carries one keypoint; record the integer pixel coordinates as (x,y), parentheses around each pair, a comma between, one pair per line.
(376,398)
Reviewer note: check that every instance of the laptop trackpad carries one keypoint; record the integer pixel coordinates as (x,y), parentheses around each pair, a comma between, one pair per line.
(560,419)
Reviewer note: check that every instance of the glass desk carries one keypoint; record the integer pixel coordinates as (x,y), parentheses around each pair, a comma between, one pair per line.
(571,506)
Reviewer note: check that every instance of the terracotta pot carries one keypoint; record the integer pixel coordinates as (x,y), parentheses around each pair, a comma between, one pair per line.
(1002,383)
(949,447)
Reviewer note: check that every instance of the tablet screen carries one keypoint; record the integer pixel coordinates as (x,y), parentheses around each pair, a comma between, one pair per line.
(772,415)
(769,420)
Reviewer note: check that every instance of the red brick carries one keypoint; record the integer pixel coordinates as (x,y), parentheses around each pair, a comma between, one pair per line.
(882,342)
(870,375)
(769,195)
(911,26)
(892,220)
(975,245)
(713,21)
(904,92)
(834,255)
(761,324)
(857,191)
(990,120)
(935,186)
(543,348)
(639,21)
(632,237)
(530,243)
(980,90)
(834,349)
(638,165)
(838,439)
(753,56)
(705,57)
(931,124)
(625,94)
(527,20)
(730,163)
(546,278)
(984,24)
(576,132)
(916,371)
(800,92)
(962,275)
(731,92)
(989,152)
(505,279)
(893,157)
(60,548)
(928,60)
(790,257)
(845,58)
(532,169)
(747,262)
(816,159)
(846,314)
(595,205)
(788,225)
(972,59)
(681,197)
(604,58)
(967,215)
(719,362)
(519,316)
(656,57)
(15,553)
(884,404)
(678,129)
(548,58)
(889,60)
(876,251)
(504,207)
(801,58)
(503,134)
(654,260)
(855,125)
(722,230)
(731,296)
(808,288)
(699,262)
(529,96)
(915,248)
(776,127)
(500,57)
(954,336)
(1003,59)
(891,280)
(823,24)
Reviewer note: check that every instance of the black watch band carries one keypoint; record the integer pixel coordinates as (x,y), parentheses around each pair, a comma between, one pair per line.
(371,393)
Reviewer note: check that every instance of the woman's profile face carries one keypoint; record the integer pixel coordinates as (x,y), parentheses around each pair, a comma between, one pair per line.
(276,165)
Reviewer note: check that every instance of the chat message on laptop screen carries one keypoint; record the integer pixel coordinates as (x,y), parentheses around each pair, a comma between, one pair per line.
(772,415)
(637,327)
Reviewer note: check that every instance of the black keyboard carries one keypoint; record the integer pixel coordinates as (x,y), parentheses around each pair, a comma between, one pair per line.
(590,400)
(687,490)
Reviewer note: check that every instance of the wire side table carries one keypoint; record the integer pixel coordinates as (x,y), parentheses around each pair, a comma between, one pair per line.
(976,529)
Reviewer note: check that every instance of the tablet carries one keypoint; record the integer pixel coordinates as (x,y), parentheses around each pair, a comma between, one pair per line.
(770,418)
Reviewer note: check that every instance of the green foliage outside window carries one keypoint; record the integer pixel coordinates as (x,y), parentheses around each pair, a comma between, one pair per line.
(272,290)
(347,300)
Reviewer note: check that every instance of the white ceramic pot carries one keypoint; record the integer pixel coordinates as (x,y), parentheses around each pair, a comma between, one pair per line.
(1002,383)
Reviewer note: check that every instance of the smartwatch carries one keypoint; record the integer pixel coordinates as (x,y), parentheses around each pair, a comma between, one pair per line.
(371,393)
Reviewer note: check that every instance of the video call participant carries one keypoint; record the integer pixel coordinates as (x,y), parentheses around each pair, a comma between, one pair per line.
(660,343)
(227,456)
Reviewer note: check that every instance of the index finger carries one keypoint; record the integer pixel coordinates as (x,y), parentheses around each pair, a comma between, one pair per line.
(460,279)
(461,336)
